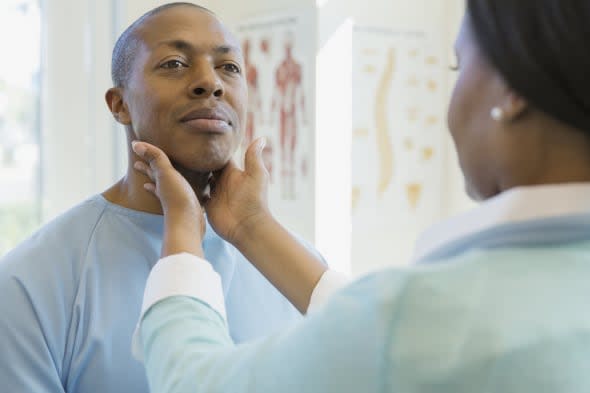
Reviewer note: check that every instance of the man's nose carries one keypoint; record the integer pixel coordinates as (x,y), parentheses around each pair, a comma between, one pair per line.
(206,82)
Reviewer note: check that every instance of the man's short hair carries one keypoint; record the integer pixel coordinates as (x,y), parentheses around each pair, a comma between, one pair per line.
(126,46)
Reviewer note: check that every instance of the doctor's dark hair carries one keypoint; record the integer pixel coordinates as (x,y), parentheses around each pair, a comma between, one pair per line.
(540,47)
(126,46)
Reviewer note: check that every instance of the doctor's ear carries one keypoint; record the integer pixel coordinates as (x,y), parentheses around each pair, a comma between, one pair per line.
(117,106)
(510,108)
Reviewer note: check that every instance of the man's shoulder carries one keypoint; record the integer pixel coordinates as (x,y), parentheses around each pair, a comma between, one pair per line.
(64,236)
(41,277)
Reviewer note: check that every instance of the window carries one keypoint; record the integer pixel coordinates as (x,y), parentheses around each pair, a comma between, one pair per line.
(20,40)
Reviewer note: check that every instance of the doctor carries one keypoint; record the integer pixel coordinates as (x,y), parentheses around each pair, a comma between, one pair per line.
(499,302)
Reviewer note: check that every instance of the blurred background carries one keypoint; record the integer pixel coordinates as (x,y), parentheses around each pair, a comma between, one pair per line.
(351,96)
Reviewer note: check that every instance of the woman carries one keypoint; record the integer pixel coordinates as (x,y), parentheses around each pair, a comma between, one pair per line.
(502,305)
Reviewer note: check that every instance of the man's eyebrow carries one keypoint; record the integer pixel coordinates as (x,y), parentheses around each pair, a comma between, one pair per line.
(186,46)
(225,49)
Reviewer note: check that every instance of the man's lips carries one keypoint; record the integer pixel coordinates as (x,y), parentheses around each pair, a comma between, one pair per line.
(209,126)
(207,121)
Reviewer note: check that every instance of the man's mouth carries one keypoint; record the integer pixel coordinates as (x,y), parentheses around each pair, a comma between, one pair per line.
(207,120)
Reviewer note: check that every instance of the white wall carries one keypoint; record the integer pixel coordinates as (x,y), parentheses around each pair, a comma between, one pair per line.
(79,157)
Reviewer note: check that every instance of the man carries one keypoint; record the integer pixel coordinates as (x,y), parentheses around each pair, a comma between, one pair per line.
(72,291)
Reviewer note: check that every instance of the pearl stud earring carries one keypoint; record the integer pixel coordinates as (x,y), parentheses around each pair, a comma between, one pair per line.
(497,114)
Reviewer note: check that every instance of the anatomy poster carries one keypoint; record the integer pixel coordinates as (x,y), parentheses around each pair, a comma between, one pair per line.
(279,53)
(399,141)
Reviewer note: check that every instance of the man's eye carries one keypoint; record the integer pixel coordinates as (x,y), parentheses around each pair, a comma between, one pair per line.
(173,64)
(231,68)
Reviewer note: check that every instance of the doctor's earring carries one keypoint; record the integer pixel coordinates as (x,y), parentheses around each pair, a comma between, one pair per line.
(497,113)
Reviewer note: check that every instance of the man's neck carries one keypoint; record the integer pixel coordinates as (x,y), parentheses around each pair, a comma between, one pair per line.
(130,193)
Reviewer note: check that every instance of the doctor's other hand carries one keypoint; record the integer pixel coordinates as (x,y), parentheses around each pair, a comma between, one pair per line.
(239,197)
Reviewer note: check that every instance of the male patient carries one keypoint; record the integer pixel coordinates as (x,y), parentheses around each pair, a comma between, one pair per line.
(72,292)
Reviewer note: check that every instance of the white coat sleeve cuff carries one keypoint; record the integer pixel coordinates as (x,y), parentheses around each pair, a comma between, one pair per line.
(180,275)
(330,282)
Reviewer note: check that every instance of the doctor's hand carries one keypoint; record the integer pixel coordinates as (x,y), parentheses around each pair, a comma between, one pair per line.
(238,200)
(184,221)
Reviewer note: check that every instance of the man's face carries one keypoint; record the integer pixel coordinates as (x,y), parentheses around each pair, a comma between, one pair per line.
(187,93)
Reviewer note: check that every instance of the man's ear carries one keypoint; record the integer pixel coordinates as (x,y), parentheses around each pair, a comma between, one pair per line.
(115,102)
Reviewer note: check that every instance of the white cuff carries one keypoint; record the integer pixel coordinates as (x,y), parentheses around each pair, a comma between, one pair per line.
(180,275)
(330,282)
